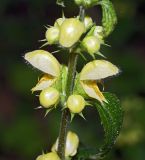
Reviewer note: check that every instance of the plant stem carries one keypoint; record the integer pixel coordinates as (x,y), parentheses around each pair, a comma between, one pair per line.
(65,119)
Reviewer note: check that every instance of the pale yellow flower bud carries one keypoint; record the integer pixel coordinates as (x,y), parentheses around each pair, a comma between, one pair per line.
(59,22)
(70,32)
(76,103)
(88,22)
(52,35)
(91,44)
(98,32)
(49,97)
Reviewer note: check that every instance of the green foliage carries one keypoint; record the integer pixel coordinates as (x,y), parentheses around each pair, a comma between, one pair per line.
(111,118)
(109,18)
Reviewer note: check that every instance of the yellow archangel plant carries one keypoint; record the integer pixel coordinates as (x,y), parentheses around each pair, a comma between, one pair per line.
(62,86)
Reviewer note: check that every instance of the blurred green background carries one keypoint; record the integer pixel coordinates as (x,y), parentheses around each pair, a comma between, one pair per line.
(24,132)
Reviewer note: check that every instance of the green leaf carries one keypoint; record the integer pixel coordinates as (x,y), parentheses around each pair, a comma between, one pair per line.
(109,19)
(60,2)
(111,116)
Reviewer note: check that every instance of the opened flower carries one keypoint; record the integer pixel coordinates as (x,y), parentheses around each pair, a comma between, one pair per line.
(46,63)
(92,73)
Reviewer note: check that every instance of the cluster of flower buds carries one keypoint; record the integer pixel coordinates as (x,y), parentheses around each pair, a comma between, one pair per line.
(93,40)
(64,28)
(67,32)
(72,143)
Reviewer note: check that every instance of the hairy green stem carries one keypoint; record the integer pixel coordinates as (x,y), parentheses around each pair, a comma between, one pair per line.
(65,119)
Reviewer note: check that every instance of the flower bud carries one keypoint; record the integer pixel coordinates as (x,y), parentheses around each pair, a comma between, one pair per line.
(48,156)
(49,97)
(72,142)
(91,44)
(88,22)
(70,32)
(59,22)
(76,103)
(98,32)
(52,35)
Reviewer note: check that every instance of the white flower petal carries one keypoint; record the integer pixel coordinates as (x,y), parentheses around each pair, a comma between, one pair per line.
(55,146)
(98,69)
(45,82)
(72,143)
(43,61)
(92,90)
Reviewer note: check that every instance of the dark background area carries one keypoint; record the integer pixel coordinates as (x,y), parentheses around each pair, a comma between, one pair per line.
(24,132)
